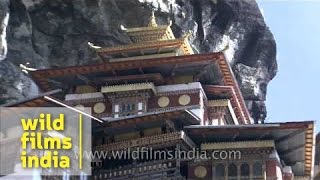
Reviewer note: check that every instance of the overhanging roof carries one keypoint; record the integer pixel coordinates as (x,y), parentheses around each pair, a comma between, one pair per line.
(197,64)
(294,140)
(43,76)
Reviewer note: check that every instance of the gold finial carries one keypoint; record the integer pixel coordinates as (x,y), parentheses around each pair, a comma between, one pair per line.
(152,21)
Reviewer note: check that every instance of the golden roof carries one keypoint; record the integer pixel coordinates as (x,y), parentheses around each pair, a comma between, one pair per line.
(152,32)
(152,36)
(139,46)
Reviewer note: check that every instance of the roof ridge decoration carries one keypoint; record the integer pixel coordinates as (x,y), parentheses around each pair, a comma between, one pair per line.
(156,40)
(152,25)
(152,21)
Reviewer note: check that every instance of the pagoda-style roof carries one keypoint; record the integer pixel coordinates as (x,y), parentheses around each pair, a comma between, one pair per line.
(175,43)
(210,68)
(152,32)
(48,79)
(147,42)
(294,141)
(145,49)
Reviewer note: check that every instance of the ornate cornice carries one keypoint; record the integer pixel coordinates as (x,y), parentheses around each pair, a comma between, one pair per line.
(128,87)
(219,103)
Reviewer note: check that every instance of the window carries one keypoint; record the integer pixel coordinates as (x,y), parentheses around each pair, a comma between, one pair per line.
(232,171)
(128,106)
(245,171)
(220,171)
(257,169)
(127,109)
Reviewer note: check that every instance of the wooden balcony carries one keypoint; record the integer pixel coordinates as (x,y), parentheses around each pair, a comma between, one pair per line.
(150,141)
(165,169)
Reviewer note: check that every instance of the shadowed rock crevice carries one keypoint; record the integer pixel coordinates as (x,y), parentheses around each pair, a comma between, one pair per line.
(55,33)
(197,16)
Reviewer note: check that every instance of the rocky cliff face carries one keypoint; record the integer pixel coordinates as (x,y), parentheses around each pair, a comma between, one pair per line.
(53,33)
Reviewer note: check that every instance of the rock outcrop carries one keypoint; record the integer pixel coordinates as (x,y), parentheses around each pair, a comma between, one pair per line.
(54,33)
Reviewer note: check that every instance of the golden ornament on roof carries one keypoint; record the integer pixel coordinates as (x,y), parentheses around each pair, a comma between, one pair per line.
(152,21)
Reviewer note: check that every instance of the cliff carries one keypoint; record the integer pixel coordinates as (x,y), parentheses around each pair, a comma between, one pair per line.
(54,33)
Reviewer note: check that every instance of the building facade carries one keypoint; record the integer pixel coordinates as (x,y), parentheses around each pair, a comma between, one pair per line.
(155,95)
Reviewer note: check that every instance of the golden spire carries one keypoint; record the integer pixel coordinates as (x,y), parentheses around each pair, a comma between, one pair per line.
(152,21)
